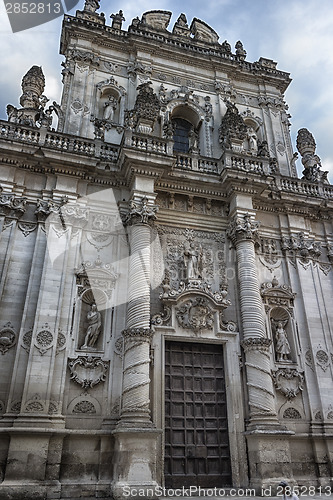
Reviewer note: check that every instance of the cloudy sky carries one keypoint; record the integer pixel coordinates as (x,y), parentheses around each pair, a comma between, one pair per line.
(297,34)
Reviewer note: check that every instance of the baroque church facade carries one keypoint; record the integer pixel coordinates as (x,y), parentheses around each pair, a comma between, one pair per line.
(166,276)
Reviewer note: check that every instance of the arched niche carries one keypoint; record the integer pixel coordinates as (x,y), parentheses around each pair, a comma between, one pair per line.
(110,102)
(282,335)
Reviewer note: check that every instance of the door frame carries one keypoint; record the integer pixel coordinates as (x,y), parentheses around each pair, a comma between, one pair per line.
(230,344)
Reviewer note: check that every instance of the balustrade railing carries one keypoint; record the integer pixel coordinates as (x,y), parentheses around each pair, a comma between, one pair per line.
(194,162)
(57,140)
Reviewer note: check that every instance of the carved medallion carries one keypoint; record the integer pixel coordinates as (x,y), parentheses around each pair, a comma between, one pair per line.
(195,314)
(88,371)
(288,381)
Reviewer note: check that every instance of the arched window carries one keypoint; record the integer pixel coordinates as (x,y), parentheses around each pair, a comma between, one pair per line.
(181,130)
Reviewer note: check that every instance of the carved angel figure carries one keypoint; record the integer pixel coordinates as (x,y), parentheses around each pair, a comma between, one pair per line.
(94,327)
(282,346)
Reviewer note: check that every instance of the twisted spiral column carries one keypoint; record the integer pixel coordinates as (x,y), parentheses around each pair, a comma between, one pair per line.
(242,232)
(138,311)
(135,402)
(137,336)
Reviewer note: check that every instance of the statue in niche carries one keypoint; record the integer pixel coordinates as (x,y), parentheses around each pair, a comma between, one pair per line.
(109,108)
(282,346)
(194,261)
(252,141)
(193,140)
(94,320)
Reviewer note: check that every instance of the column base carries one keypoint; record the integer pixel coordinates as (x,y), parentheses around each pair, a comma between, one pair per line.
(269,458)
(136,463)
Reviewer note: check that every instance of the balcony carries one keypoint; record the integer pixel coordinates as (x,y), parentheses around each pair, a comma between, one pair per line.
(237,162)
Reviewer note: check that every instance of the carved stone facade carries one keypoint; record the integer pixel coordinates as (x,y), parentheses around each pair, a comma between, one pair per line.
(160,261)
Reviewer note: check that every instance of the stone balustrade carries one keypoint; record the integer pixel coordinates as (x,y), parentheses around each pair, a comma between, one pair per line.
(150,144)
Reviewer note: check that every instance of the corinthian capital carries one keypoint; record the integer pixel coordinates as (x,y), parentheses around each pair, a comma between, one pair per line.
(243,228)
(141,212)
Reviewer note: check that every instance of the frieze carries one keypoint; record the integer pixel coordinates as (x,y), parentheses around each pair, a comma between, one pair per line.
(289,381)
(88,371)
(8,338)
(195,314)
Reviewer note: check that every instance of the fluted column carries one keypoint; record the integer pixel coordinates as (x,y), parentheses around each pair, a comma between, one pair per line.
(243,231)
(137,335)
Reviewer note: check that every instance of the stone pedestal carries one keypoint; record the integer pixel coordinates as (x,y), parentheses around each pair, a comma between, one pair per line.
(135,461)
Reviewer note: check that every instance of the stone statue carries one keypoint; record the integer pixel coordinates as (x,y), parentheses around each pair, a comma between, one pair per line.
(252,141)
(94,327)
(193,261)
(109,108)
(117,20)
(282,346)
(91,5)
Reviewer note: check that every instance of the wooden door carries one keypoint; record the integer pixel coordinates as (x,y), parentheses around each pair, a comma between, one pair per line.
(196,430)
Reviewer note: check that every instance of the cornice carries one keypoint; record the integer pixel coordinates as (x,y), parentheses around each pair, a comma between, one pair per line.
(168,45)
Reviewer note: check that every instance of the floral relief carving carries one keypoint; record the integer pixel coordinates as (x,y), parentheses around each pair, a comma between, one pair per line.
(44,339)
(26,227)
(35,405)
(61,341)
(26,340)
(322,358)
(7,338)
(85,407)
(309,359)
(292,414)
(16,406)
(88,371)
